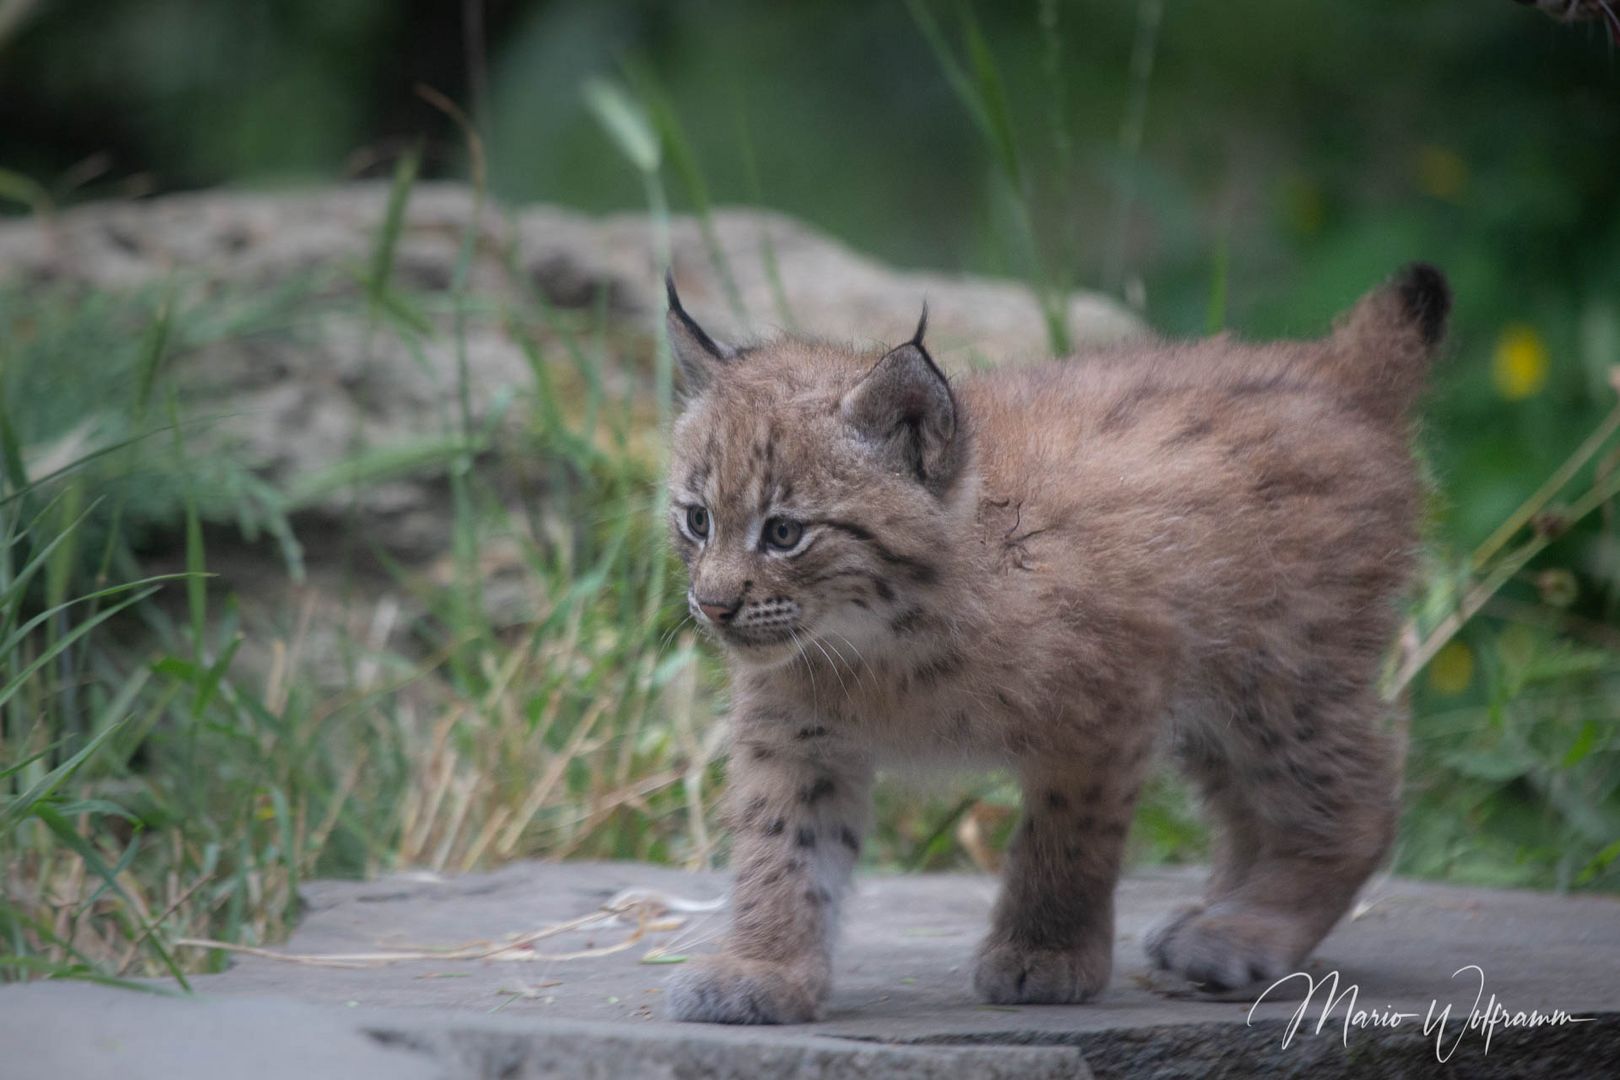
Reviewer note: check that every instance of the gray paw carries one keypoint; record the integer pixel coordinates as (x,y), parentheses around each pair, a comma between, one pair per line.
(730,990)
(1166,928)
(1218,950)
(1008,974)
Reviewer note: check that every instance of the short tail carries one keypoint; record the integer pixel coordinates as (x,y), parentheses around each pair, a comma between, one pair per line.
(1381,350)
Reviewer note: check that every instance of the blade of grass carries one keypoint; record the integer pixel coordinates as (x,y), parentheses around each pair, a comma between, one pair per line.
(375,466)
(20,189)
(16,587)
(955,76)
(983,95)
(196,568)
(1481,592)
(25,804)
(18,766)
(1553,485)
(992,93)
(154,347)
(1144,51)
(22,631)
(467,604)
(756,193)
(672,135)
(70,838)
(12,469)
(28,485)
(382,255)
(49,653)
(627,125)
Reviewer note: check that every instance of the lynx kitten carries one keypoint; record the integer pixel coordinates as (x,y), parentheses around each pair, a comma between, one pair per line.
(1053,569)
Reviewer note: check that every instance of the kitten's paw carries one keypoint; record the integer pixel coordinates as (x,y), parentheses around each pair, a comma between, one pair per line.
(1219,950)
(1009,974)
(731,990)
(1166,929)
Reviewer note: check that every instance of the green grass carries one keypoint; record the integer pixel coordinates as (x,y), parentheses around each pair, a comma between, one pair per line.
(156,789)
(171,770)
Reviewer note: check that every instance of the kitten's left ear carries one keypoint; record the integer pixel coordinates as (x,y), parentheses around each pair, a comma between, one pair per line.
(699,357)
(903,407)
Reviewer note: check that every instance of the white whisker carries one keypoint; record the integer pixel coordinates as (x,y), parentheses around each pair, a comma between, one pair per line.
(830,663)
(669,635)
(858,655)
(809,669)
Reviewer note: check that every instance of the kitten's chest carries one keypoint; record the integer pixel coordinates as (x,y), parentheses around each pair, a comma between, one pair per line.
(940,702)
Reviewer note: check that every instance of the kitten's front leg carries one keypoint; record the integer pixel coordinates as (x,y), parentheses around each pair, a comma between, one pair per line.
(798,810)
(1052,933)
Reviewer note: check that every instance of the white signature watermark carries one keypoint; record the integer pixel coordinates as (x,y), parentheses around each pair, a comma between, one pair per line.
(1484,1015)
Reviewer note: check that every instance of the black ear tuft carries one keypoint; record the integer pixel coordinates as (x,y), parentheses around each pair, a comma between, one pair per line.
(922,327)
(1427,298)
(697,354)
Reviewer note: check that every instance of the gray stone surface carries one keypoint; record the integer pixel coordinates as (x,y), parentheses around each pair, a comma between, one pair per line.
(901,1005)
(74,1030)
(82,1032)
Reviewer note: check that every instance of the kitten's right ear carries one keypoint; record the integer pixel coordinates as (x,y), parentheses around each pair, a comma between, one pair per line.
(903,408)
(698,355)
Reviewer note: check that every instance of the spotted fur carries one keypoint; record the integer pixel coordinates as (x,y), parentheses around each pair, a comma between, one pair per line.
(1053,569)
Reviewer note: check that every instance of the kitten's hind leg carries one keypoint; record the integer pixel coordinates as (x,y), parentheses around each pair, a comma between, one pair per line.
(1052,933)
(1305,806)
(1232,844)
(1232,838)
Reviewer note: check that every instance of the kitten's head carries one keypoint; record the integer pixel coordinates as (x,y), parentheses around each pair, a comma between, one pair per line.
(815,489)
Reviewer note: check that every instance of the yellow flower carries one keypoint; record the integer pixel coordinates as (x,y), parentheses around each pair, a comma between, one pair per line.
(1452,669)
(1441,172)
(1519,368)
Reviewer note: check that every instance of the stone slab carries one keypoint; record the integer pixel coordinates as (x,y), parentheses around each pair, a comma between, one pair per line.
(76,1031)
(901,985)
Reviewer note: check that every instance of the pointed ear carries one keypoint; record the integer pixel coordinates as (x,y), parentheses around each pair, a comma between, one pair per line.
(698,355)
(903,408)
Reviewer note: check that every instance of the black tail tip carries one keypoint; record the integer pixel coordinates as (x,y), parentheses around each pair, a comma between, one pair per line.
(1425,293)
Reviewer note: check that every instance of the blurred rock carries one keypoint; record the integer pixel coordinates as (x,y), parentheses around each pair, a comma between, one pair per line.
(327,383)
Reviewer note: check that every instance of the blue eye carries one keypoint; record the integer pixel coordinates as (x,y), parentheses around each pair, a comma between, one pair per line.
(782,534)
(697,520)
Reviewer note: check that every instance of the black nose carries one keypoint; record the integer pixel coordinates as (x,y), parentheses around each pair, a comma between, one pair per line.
(720,611)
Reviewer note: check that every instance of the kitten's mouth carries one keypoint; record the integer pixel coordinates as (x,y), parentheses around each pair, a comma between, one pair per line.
(762,649)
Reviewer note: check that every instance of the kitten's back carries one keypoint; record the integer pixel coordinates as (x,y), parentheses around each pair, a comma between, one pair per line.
(1246,488)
